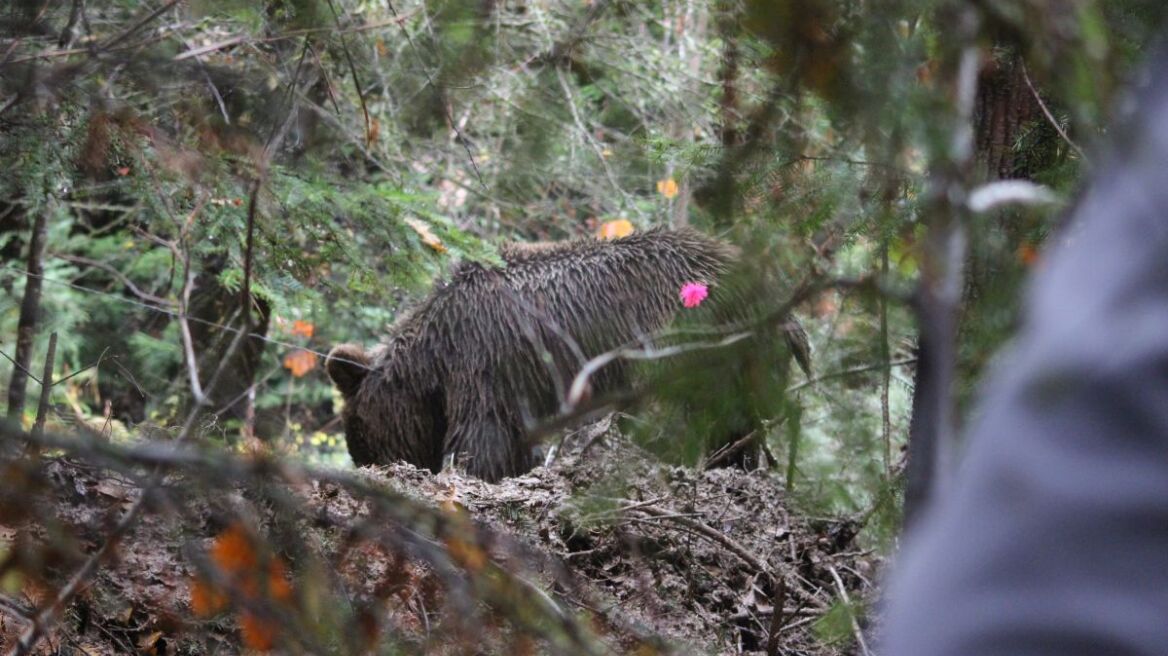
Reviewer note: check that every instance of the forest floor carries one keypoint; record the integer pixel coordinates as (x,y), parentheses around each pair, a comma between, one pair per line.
(684,560)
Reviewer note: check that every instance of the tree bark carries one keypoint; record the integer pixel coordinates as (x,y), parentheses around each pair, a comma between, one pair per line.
(46,386)
(30,307)
(1005,106)
(212,306)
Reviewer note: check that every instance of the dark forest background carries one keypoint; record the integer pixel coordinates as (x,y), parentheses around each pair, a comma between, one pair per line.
(177,173)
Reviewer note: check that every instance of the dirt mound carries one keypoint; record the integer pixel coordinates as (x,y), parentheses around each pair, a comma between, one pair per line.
(605,550)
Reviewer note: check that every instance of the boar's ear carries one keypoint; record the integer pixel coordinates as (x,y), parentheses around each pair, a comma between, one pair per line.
(347,365)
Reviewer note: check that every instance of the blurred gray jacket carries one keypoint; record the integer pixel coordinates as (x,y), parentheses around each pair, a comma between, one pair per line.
(1053,539)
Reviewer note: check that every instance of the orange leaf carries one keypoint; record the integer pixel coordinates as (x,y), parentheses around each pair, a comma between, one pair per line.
(374,131)
(300,362)
(615,229)
(279,589)
(667,187)
(258,634)
(1027,254)
(467,555)
(233,551)
(303,328)
(206,600)
(427,235)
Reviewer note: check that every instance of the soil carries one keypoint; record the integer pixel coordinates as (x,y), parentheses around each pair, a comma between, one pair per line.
(647,557)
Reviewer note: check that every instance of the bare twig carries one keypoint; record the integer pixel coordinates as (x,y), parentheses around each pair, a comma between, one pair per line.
(839,584)
(10,103)
(886,371)
(184,328)
(580,382)
(851,371)
(57,54)
(576,407)
(730,545)
(778,617)
(445,108)
(211,85)
(139,25)
(21,367)
(67,36)
(1049,116)
(574,36)
(588,138)
(84,369)
(290,34)
(1006,192)
(15,608)
(728,450)
(137,291)
(119,298)
(353,72)
(245,294)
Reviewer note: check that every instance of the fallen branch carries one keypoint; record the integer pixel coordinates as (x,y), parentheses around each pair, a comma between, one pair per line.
(839,585)
(717,536)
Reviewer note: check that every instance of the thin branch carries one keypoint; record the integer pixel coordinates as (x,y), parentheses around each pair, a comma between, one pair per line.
(851,371)
(184,328)
(588,136)
(727,450)
(718,537)
(16,609)
(886,370)
(353,72)
(1007,192)
(291,34)
(82,370)
(21,367)
(211,85)
(245,293)
(139,25)
(575,35)
(580,382)
(778,617)
(119,298)
(56,54)
(445,108)
(65,40)
(144,295)
(10,104)
(1049,116)
(856,631)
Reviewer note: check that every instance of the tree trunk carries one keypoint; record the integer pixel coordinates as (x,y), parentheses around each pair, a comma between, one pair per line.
(213,306)
(1005,108)
(30,307)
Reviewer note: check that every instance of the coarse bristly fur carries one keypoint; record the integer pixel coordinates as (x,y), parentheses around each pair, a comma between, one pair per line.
(494,349)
